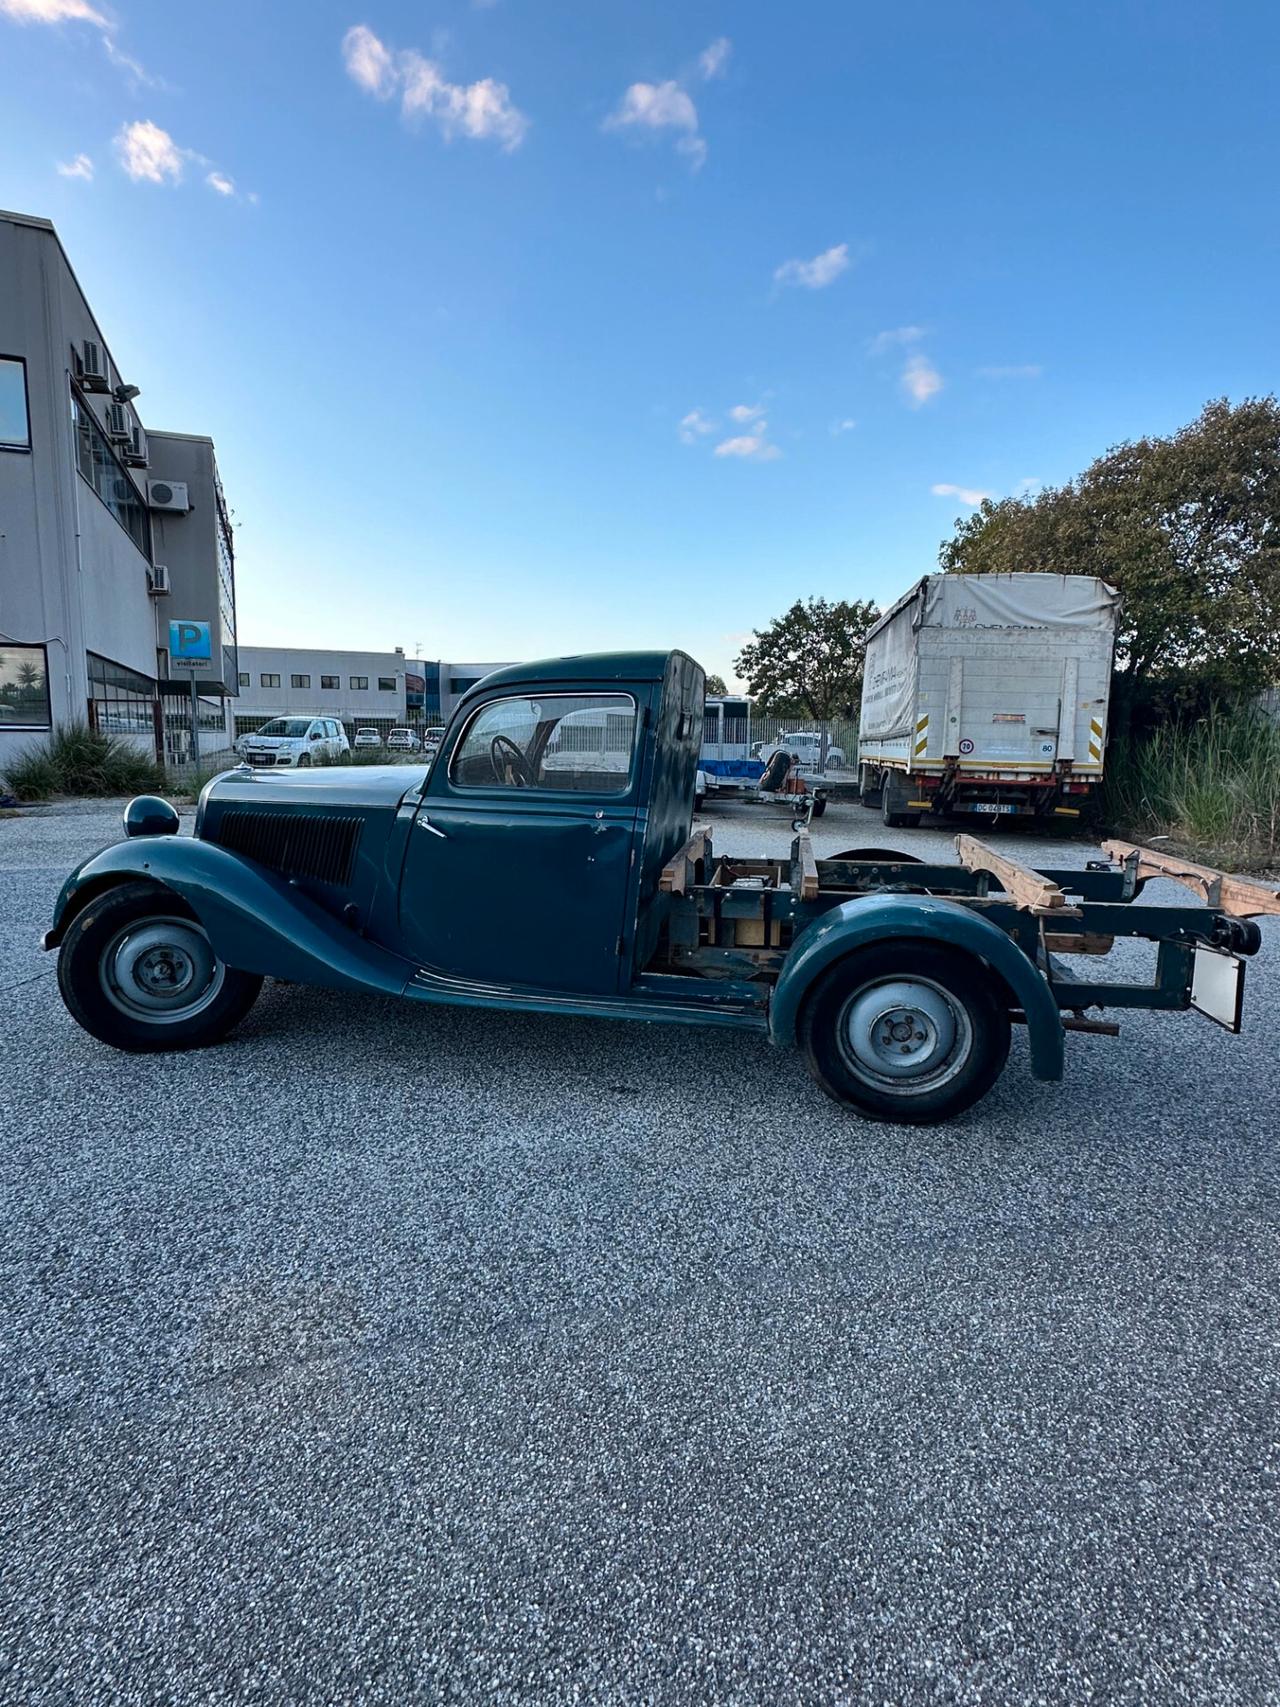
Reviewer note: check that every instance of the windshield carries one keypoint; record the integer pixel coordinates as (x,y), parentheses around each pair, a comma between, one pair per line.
(295,726)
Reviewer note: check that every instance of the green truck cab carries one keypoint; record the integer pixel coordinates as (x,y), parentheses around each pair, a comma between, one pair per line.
(546,860)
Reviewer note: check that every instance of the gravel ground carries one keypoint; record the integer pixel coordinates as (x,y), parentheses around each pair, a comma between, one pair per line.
(386,1353)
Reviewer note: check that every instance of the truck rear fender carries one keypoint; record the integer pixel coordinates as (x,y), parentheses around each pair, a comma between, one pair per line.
(883,918)
(256,921)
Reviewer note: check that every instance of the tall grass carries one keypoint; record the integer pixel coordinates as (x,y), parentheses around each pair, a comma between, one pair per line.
(77,760)
(1213,787)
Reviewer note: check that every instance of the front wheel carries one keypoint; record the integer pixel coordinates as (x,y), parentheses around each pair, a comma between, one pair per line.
(906,1032)
(137,970)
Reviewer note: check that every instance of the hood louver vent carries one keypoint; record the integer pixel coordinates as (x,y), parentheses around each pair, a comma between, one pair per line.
(293,843)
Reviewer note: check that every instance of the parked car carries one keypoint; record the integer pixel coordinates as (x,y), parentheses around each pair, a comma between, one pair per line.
(805,746)
(367,738)
(496,879)
(431,739)
(403,741)
(296,741)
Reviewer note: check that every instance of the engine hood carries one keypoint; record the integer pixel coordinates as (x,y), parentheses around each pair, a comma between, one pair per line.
(339,787)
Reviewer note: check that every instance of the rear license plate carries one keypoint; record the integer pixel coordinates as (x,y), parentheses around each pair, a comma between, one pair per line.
(1217,987)
(983,806)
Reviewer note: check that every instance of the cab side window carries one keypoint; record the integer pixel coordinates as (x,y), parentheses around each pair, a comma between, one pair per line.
(559,743)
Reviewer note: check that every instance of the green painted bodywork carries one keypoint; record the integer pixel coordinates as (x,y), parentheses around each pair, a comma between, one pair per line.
(878,918)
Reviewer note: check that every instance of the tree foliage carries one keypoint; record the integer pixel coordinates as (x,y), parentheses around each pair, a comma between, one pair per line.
(810,659)
(1187,527)
(716,685)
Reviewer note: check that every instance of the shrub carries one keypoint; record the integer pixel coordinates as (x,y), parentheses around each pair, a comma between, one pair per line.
(1212,786)
(78,760)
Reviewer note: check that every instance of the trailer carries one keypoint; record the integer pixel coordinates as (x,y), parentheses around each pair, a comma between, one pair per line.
(987,695)
(518,872)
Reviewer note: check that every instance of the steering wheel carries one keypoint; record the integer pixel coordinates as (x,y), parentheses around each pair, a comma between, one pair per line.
(503,752)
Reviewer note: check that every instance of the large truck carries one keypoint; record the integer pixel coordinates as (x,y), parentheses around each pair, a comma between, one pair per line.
(986,695)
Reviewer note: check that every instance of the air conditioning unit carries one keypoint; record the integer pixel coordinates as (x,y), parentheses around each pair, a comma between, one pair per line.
(168,495)
(135,451)
(158,581)
(95,376)
(119,426)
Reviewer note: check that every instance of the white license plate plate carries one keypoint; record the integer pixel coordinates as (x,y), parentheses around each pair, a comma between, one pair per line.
(1217,987)
(981,806)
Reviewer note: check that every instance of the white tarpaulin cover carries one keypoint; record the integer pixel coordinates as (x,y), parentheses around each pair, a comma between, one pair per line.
(1018,601)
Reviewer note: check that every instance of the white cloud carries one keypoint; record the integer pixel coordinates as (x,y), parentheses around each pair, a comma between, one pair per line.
(822,270)
(1028,370)
(744,412)
(920,380)
(149,154)
(845,426)
(52,12)
(891,340)
(221,183)
(368,62)
(713,60)
(80,167)
(482,110)
(661,107)
(967,494)
(694,426)
(752,446)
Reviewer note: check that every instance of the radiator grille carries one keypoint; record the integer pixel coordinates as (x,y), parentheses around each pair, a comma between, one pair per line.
(294,843)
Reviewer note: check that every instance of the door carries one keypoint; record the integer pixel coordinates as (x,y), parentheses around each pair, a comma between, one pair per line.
(519,863)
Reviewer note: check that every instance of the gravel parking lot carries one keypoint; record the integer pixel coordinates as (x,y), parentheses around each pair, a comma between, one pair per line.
(386,1353)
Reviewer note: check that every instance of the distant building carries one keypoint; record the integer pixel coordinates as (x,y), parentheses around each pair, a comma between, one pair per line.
(107,531)
(355,687)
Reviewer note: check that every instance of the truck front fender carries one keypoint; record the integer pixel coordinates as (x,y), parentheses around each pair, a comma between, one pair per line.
(882,918)
(256,921)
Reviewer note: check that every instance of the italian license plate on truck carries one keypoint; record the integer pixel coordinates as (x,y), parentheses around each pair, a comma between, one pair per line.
(983,806)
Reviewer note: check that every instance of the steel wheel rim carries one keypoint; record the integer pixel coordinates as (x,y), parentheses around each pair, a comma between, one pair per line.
(161,970)
(906,1035)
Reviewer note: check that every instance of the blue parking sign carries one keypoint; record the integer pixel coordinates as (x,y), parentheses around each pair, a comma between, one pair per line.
(190,644)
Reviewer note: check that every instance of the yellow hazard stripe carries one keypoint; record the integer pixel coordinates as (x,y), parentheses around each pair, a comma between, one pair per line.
(922,735)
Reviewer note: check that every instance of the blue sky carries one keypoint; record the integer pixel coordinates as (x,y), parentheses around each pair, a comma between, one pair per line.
(532,328)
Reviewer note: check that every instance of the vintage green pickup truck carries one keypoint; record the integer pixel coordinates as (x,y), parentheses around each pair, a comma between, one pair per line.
(545,860)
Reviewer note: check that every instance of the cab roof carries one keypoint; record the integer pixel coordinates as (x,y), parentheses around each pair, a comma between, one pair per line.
(580,667)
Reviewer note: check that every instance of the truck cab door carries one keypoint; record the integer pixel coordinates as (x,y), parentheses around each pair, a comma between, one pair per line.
(519,864)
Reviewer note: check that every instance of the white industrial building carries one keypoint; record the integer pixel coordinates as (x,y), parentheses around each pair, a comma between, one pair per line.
(361,689)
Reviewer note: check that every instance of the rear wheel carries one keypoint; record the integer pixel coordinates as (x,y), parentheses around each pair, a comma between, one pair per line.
(906,1032)
(868,792)
(896,820)
(138,971)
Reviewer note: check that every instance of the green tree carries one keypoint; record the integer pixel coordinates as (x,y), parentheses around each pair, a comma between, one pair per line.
(1187,527)
(810,659)
(716,685)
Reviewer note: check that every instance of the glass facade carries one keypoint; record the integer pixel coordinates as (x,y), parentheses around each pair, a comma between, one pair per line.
(24,687)
(15,424)
(226,585)
(121,702)
(106,474)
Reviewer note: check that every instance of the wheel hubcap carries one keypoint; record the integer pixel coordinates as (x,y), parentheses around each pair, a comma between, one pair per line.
(161,970)
(908,1034)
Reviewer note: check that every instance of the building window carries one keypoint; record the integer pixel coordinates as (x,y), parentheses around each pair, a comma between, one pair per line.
(299,681)
(99,465)
(329,682)
(24,687)
(121,701)
(269,680)
(15,423)
(244,678)
(460,684)
(386,684)
(359,683)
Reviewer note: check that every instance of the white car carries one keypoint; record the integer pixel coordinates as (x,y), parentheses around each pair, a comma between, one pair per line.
(806,747)
(403,741)
(367,738)
(295,741)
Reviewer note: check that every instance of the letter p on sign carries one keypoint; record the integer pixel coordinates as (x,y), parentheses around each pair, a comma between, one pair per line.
(190,643)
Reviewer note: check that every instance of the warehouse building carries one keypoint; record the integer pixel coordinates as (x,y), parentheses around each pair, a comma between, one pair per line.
(362,689)
(108,531)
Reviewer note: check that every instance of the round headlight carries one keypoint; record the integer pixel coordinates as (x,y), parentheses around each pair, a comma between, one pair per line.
(148,815)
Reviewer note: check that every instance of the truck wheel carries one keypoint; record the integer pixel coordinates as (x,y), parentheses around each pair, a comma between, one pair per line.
(867,792)
(898,820)
(905,1032)
(819,806)
(137,970)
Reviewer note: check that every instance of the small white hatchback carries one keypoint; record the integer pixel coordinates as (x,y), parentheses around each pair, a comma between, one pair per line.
(295,741)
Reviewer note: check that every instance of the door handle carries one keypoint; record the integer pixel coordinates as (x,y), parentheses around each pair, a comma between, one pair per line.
(424,823)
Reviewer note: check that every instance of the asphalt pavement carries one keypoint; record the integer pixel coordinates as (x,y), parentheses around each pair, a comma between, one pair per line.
(389,1354)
